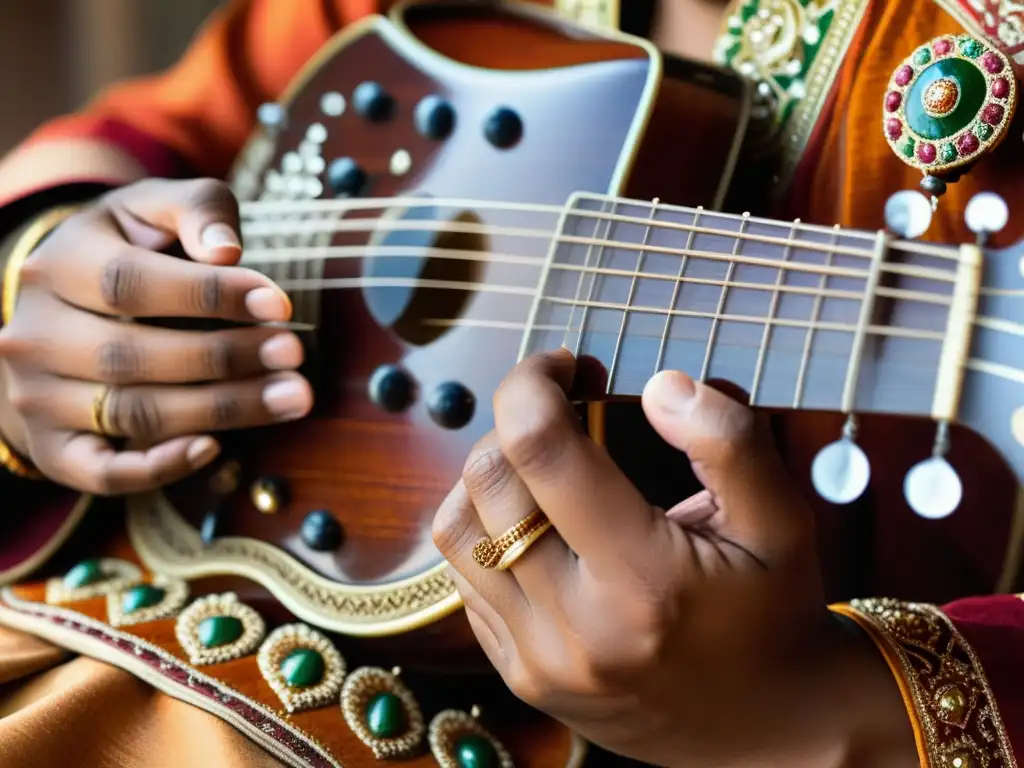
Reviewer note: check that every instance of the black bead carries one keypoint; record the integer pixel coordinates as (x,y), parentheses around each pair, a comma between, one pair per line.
(371,101)
(434,118)
(346,178)
(320,531)
(391,389)
(451,405)
(210,528)
(933,186)
(503,128)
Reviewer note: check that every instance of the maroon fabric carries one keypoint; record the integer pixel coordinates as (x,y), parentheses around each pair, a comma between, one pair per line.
(158,159)
(31,513)
(994,627)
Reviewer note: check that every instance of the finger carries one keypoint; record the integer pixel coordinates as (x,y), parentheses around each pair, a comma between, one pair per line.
(152,413)
(596,509)
(502,500)
(202,214)
(456,530)
(490,629)
(734,457)
(90,464)
(114,278)
(94,348)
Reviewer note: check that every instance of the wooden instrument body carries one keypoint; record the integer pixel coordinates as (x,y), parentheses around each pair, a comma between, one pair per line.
(599,114)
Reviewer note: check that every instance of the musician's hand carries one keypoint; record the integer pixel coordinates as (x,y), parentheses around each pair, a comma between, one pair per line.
(693,637)
(169,389)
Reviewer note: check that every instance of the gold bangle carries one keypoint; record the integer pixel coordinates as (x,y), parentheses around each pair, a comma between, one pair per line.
(24,247)
(16,465)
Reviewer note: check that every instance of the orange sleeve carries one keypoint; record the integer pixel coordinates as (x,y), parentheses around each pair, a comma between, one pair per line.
(190,120)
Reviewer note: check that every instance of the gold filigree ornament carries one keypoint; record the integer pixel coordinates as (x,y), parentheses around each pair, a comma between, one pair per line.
(457,739)
(160,599)
(302,666)
(218,628)
(92,578)
(382,712)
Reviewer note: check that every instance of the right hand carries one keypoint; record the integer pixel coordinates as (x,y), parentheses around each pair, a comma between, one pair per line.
(168,388)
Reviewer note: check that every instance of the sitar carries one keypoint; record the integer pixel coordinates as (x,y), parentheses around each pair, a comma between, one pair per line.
(459,185)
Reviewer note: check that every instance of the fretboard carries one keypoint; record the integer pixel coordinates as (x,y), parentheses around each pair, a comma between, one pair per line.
(799,316)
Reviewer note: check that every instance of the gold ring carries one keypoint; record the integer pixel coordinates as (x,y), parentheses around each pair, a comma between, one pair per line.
(100,422)
(499,554)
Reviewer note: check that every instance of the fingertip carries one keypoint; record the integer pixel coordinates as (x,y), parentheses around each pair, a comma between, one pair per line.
(221,242)
(268,304)
(202,451)
(668,393)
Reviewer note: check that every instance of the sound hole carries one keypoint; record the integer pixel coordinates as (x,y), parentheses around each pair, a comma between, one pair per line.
(417,309)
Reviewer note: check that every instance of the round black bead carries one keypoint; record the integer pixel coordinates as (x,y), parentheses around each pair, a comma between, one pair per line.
(451,405)
(346,178)
(371,101)
(210,528)
(933,186)
(391,389)
(503,128)
(320,531)
(434,118)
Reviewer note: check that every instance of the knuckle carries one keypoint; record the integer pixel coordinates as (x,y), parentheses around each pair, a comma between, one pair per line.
(209,193)
(206,293)
(526,685)
(121,282)
(22,399)
(135,414)
(119,361)
(225,411)
(486,473)
(452,530)
(218,359)
(534,442)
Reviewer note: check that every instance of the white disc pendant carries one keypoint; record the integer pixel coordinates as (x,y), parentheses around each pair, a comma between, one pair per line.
(933,488)
(841,472)
(986,213)
(908,214)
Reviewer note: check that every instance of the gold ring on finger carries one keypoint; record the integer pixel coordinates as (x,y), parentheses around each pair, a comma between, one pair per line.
(499,554)
(100,412)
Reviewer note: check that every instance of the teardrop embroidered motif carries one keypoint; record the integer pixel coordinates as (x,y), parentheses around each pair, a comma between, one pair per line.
(458,739)
(92,578)
(302,666)
(218,628)
(382,712)
(161,598)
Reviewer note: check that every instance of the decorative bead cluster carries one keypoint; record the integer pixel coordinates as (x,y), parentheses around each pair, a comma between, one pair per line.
(948,103)
(160,599)
(312,680)
(92,578)
(382,713)
(209,636)
(453,734)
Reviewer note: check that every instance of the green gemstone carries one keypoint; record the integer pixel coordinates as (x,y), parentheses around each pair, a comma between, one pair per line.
(475,751)
(82,575)
(971,48)
(303,667)
(972,87)
(983,131)
(908,147)
(219,630)
(142,596)
(922,57)
(948,153)
(385,716)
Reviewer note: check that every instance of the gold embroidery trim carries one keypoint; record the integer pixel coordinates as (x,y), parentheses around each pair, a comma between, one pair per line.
(958,721)
(596,13)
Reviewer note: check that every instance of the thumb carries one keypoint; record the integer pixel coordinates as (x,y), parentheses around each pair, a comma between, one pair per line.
(734,456)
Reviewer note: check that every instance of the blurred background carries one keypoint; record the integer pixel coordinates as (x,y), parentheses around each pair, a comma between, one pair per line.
(55,54)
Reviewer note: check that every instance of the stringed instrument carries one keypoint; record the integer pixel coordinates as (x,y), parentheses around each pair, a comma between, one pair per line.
(440,194)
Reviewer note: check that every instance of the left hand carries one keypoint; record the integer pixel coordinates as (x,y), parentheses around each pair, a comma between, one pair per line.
(699,636)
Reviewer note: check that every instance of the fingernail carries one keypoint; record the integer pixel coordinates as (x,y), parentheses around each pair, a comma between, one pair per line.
(268,304)
(220,236)
(669,390)
(286,399)
(202,451)
(281,352)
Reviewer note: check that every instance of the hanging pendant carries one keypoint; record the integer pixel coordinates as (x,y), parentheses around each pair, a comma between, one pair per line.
(218,628)
(948,104)
(161,598)
(458,740)
(302,666)
(382,712)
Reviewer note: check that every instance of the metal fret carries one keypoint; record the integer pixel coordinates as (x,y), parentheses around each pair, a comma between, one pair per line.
(766,338)
(675,289)
(722,298)
(815,313)
(866,308)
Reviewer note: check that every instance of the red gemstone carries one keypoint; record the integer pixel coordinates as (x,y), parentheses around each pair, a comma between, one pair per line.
(992,114)
(893,128)
(992,63)
(926,153)
(942,47)
(967,144)
(903,75)
(1001,88)
(893,99)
